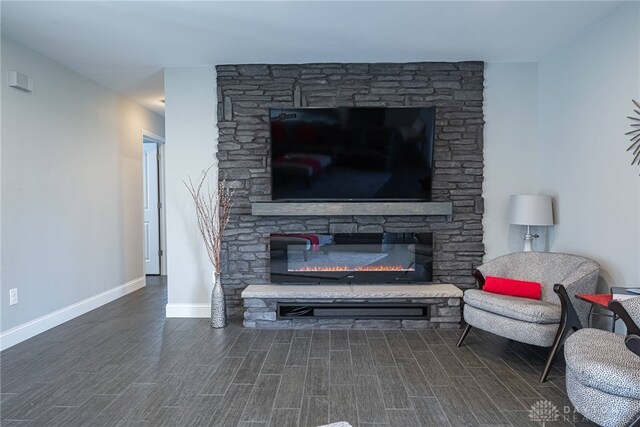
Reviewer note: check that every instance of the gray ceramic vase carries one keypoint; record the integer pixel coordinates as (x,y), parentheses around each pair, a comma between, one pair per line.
(218,306)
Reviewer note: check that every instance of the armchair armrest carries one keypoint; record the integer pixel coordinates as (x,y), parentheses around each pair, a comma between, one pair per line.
(581,281)
(619,308)
(585,270)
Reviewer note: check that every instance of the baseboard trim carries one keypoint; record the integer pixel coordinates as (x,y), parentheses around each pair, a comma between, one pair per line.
(189,310)
(34,327)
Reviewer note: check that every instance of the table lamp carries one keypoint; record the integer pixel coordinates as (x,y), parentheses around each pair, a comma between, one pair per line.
(526,209)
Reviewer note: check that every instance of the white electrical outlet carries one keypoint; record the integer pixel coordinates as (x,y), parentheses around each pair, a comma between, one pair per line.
(13,296)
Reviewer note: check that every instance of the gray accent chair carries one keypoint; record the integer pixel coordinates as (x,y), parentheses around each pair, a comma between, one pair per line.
(545,322)
(603,375)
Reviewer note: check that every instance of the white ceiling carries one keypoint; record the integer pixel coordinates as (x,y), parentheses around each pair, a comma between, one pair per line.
(125,45)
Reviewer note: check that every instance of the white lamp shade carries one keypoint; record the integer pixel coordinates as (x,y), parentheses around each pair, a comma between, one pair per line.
(528,209)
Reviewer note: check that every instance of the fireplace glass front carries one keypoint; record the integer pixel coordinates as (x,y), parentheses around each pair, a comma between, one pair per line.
(374,258)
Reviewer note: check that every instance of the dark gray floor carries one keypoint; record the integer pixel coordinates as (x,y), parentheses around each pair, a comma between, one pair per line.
(125,364)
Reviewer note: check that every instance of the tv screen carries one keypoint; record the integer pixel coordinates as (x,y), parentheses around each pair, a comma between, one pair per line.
(352,153)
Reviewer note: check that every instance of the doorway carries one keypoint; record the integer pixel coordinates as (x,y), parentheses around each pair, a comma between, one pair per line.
(153,204)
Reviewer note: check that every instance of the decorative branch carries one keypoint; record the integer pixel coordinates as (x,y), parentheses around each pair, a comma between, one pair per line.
(213,208)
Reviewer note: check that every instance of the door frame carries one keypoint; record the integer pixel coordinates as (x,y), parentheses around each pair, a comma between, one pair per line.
(160,141)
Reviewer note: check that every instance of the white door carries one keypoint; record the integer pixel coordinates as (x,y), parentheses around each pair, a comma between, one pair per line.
(151,209)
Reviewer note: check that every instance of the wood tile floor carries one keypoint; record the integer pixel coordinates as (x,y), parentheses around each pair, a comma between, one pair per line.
(124,364)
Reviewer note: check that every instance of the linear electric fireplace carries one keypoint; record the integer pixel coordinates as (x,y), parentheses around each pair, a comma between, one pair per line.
(351,258)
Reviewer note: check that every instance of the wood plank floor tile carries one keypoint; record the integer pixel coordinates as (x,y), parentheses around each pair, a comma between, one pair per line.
(299,352)
(302,333)
(339,340)
(243,343)
(380,352)
(402,418)
(342,404)
(430,412)
(262,397)
(252,424)
(149,406)
(414,340)
(48,417)
(81,415)
(455,407)
(500,395)
(340,367)
(374,333)
(450,363)
(357,337)
(289,394)
(250,368)
(27,405)
(394,392)
(430,336)
(414,380)
(276,358)
(320,343)
(264,340)
(168,416)
(512,380)
(317,378)
(485,411)
(284,336)
(398,345)
(222,376)
(466,356)
(362,360)
(369,400)
(126,402)
(281,417)
(199,411)
(231,406)
(432,369)
(315,411)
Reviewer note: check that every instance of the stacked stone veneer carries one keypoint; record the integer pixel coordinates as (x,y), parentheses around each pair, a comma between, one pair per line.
(443,313)
(245,94)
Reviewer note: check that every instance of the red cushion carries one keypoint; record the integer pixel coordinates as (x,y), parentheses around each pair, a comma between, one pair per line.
(516,288)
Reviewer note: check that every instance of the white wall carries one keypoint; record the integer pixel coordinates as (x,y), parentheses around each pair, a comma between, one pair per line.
(71,193)
(191,140)
(510,136)
(585,95)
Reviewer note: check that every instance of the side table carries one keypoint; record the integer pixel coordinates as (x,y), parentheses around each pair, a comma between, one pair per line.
(599,300)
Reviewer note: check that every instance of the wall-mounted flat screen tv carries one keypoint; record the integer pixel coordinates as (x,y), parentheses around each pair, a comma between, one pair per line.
(352,154)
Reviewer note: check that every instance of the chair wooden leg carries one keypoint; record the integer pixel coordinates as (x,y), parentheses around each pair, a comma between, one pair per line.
(563,330)
(569,321)
(464,335)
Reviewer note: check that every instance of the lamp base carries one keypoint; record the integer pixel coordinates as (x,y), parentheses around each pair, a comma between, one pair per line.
(528,242)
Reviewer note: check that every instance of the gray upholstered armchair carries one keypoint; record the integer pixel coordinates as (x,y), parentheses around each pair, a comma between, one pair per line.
(603,376)
(545,322)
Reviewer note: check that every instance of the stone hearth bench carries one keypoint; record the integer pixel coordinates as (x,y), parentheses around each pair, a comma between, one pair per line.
(443,301)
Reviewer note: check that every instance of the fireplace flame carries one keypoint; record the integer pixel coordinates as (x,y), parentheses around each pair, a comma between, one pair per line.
(347,268)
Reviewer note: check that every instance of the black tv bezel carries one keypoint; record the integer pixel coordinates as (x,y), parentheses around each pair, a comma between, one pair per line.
(342,200)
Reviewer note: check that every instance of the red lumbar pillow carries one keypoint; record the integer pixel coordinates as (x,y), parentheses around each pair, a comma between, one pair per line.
(516,288)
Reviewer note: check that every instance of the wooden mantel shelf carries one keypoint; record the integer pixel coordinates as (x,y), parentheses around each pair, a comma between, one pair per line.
(350,208)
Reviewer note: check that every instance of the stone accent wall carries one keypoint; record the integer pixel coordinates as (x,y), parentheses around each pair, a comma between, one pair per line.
(245,94)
